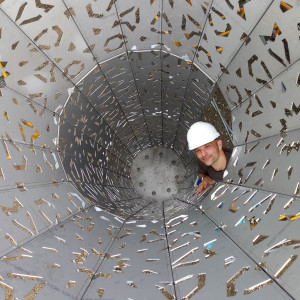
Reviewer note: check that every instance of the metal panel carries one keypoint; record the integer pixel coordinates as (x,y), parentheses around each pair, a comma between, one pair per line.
(182,26)
(51,29)
(65,259)
(23,166)
(26,121)
(127,70)
(268,164)
(227,27)
(271,50)
(199,256)
(28,214)
(254,119)
(31,72)
(97,24)
(133,16)
(140,267)
(255,221)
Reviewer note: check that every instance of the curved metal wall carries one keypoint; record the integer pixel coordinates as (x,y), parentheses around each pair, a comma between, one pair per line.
(87,85)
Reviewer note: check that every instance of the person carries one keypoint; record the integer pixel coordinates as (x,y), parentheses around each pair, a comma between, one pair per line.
(203,138)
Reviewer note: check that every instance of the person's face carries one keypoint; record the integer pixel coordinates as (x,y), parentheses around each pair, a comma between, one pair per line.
(209,153)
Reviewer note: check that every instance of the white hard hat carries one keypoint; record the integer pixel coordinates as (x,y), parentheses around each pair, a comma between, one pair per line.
(201,133)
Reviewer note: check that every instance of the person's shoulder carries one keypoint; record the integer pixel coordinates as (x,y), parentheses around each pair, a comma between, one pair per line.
(228,153)
(226,150)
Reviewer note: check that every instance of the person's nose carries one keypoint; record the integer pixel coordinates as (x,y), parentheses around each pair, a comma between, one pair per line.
(201,153)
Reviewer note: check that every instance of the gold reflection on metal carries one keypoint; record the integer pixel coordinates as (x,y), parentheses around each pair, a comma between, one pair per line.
(13,144)
(91,226)
(76,223)
(231,291)
(59,33)
(179,247)
(20,11)
(2,174)
(23,276)
(259,239)
(122,236)
(257,286)
(50,249)
(100,293)
(71,47)
(168,295)
(185,255)
(89,272)
(32,224)
(80,257)
(141,251)
(45,7)
(71,284)
(55,182)
(232,208)
(14,209)
(91,13)
(11,240)
(31,20)
(103,275)
(46,218)
(54,266)
(156,233)
(33,293)
(209,253)
(269,205)
(22,227)
(190,263)
(287,264)
(79,237)
(154,241)
(109,233)
(289,203)
(70,12)
(131,284)
(13,258)
(150,272)
(74,62)
(9,291)
(201,284)
(39,202)
(152,259)
(144,237)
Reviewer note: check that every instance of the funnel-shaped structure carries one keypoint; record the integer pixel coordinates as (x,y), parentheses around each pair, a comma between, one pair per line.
(93,94)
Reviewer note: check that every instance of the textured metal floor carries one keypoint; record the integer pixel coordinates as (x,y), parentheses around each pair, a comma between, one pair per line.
(87,86)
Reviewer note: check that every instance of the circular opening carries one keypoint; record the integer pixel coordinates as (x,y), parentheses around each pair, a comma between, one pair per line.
(156,173)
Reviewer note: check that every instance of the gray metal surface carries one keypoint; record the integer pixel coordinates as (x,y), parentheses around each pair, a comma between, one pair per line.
(269,164)
(157,174)
(272,50)
(254,220)
(85,87)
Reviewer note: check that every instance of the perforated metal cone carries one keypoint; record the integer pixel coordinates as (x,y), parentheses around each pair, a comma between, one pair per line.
(88,86)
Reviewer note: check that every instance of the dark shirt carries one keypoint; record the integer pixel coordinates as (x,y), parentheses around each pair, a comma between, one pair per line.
(210,171)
